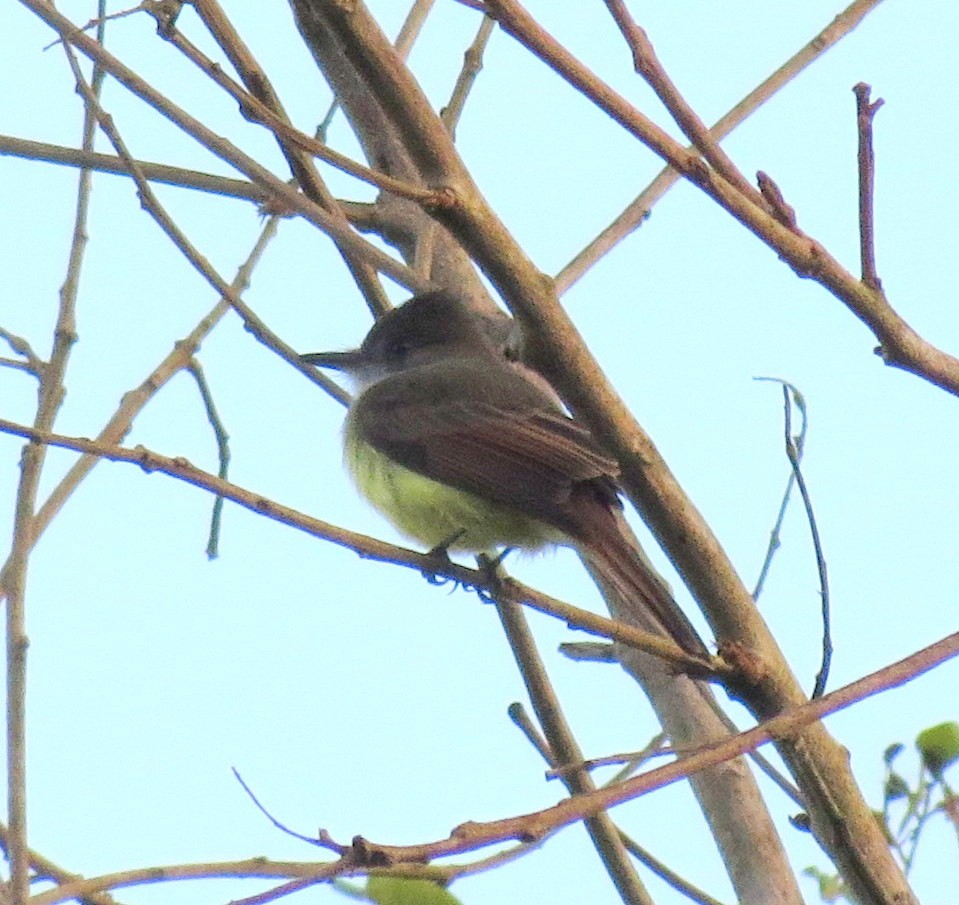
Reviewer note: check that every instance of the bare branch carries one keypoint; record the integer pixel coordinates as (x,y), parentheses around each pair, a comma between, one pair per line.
(195,369)
(155,172)
(799,442)
(640,208)
(286,195)
(865,113)
(647,64)
(472,836)
(901,345)
(563,746)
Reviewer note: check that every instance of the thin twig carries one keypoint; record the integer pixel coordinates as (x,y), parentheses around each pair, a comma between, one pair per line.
(524,722)
(799,441)
(14,364)
(83,887)
(100,20)
(281,891)
(472,65)
(629,760)
(155,172)
(222,448)
(412,26)
(666,873)
(32,363)
(865,112)
(311,840)
(793,454)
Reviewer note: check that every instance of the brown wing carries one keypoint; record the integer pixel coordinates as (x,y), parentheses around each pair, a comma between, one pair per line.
(482,427)
(479,425)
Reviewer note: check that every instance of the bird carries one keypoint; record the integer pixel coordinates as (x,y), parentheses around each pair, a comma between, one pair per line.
(464,449)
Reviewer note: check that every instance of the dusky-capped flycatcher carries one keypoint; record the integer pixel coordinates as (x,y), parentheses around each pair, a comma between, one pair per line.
(463,449)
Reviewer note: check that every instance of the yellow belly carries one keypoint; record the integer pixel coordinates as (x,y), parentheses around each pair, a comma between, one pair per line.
(434,514)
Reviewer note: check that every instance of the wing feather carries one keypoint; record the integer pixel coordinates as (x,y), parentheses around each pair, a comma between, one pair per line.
(485,429)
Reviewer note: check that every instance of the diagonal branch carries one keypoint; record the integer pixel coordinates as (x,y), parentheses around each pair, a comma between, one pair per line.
(647,64)
(901,346)
(564,747)
(640,208)
(840,817)
(299,159)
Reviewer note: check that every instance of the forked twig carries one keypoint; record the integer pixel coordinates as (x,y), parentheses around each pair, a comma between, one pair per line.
(794,448)
(799,441)
(13,578)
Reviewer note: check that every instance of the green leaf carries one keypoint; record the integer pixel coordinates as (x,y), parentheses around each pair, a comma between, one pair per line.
(403,891)
(350,889)
(831,887)
(896,787)
(939,747)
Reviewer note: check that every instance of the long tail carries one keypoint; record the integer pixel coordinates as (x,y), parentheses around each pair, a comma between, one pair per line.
(615,556)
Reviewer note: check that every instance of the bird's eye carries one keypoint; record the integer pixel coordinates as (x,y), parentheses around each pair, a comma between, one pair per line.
(398,350)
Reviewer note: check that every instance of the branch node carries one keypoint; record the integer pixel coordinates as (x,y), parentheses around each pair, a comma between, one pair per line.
(366,854)
(441,199)
(784,213)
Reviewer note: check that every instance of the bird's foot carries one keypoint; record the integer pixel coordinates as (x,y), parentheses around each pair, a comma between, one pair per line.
(493,573)
(441,557)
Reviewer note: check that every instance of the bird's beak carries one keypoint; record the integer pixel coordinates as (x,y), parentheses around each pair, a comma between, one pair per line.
(338,361)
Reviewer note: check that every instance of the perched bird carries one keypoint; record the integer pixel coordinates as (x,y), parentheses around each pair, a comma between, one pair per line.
(466,450)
